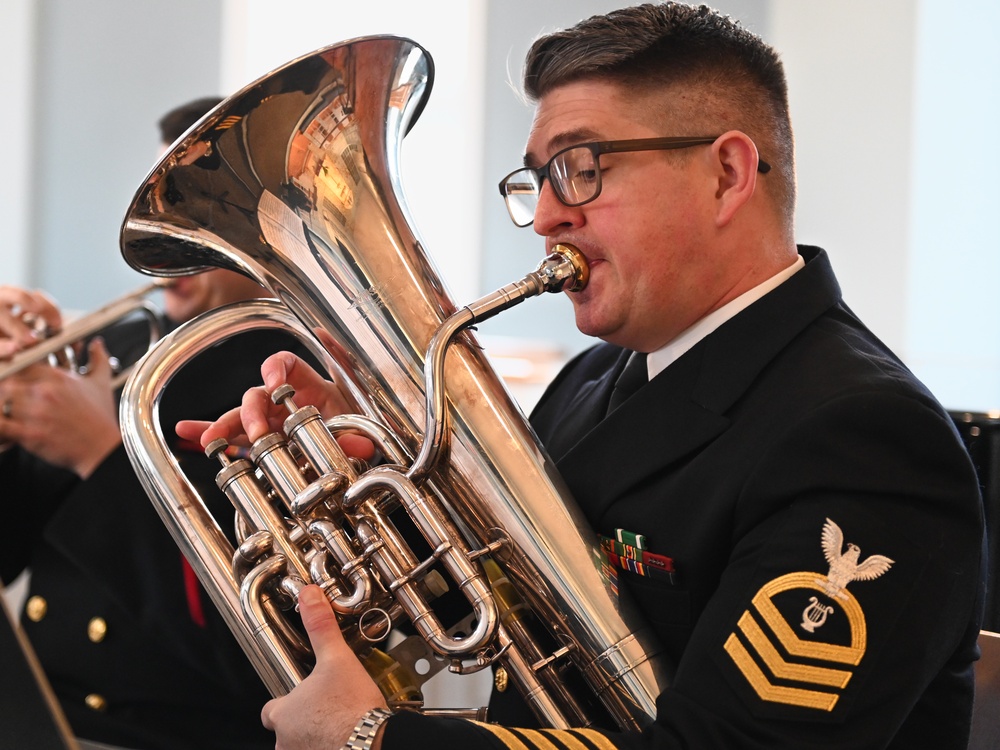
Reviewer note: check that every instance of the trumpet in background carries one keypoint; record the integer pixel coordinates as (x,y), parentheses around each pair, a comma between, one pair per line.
(60,348)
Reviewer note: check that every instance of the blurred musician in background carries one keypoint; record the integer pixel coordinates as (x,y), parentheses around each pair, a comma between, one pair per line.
(135,651)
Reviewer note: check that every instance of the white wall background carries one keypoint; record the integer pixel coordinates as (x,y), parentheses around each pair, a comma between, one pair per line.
(88,85)
(952,315)
(17,47)
(889,101)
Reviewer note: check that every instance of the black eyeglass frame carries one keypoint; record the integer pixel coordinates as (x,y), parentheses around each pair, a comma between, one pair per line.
(597,148)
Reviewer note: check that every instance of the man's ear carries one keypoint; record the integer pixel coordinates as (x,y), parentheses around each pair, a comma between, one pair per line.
(737,159)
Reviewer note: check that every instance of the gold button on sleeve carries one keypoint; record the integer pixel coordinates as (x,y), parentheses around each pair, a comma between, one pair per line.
(96,701)
(35,608)
(97,628)
(500,679)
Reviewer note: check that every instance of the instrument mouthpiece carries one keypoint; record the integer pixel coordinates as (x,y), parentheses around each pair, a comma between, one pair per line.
(568,267)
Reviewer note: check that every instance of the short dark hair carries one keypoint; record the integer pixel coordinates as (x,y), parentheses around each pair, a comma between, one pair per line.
(740,79)
(176,122)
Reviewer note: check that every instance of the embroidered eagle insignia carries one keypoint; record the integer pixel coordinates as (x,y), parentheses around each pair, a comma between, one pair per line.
(844,565)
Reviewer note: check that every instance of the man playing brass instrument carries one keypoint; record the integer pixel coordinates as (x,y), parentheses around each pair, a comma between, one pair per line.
(135,653)
(792,510)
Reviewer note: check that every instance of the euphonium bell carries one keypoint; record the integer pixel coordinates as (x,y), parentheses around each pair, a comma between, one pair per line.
(294,181)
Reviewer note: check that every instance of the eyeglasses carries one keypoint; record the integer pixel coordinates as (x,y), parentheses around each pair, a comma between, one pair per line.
(575,173)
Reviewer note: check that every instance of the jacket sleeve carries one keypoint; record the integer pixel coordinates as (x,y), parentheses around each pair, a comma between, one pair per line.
(848,610)
(32,492)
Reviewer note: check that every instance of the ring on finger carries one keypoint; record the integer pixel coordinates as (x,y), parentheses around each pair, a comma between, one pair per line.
(7,409)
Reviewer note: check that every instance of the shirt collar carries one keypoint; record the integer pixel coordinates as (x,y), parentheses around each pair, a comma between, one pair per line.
(663,357)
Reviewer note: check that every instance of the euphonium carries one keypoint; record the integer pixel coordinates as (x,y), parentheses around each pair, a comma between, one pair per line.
(294,181)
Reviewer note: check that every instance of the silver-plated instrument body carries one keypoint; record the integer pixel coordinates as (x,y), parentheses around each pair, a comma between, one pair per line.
(59,348)
(294,181)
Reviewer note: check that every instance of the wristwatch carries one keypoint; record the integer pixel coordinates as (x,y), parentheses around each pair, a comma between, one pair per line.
(364,733)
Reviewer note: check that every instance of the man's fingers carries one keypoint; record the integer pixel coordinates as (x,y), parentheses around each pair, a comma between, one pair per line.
(98,359)
(254,413)
(267,711)
(311,387)
(228,426)
(16,333)
(320,621)
(239,426)
(357,446)
(192,429)
(258,415)
(36,303)
(17,307)
(277,369)
(9,347)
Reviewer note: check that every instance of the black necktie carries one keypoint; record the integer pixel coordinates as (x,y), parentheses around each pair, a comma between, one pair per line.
(633,377)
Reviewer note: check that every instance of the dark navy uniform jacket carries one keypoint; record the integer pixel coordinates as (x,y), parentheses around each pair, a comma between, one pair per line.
(135,651)
(824,521)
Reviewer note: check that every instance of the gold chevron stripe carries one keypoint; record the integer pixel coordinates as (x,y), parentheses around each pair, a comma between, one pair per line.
(565,740)
(507,737)
(591,739)
(780,668)
(536,738)
(775,693)
(570,739)
(812,649)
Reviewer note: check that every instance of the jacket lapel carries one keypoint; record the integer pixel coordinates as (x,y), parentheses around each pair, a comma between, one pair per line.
(685,406)
(639,437)
(585,409)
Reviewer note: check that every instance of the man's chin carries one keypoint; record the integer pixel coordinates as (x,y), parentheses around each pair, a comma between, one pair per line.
(590,327)
(599,329)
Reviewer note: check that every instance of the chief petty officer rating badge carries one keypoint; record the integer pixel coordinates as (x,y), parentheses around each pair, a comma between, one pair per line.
(798,680)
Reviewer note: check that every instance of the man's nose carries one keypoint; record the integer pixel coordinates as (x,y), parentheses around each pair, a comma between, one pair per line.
(552,215)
